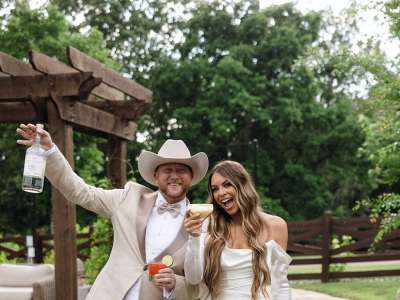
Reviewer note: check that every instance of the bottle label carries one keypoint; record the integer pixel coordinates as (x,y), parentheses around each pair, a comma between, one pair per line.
(34,165)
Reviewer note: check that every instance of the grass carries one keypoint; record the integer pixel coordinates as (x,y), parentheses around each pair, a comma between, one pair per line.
(299,269)
(356,289)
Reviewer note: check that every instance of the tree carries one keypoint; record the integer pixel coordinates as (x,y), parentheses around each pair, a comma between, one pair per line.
(241,88)
(380,121)
(46,31)
(245,84)
(138,33)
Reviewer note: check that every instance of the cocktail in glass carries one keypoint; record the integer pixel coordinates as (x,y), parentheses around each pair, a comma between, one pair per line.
(154,267)
(203,209)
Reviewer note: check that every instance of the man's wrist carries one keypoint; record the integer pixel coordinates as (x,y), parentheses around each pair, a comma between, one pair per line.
(51,150)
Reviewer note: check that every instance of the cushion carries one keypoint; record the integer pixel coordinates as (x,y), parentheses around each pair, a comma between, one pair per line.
(23,275)
(15,293)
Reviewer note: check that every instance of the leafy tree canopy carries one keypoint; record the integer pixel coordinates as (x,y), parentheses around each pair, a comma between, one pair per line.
(258,86)
(46,31)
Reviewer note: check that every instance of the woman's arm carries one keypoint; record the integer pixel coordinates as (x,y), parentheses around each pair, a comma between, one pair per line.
(280,260)
(194,261)
(194,256)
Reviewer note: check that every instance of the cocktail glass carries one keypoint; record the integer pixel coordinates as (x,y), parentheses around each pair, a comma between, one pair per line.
(153,268)
(204,210)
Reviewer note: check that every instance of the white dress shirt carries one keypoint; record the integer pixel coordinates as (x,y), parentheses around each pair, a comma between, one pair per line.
(161,230)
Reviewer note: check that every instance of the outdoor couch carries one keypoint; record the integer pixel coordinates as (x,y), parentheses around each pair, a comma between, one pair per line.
(33,282)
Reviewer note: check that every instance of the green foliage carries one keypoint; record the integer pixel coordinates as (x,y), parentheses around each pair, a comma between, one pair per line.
(380,122)
(337,242)
(3,255)
(102,241)
(385,207)
(47,31)
(263,87)
(138,33)
(242,88)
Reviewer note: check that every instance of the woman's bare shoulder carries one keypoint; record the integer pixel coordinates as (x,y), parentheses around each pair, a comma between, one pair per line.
(277,229)
(274,222)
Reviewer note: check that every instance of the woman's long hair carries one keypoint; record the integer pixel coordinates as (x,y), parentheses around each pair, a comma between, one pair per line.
(218,229)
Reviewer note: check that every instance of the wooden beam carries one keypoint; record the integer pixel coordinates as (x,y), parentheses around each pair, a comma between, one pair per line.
(49,65)
(56,86)
(107,93)
(83,62)
(129,110)
(4,74)
(23,87)
(116,165)
(63,215)
(22,112)
(41,86)
(91,117)
(15,67)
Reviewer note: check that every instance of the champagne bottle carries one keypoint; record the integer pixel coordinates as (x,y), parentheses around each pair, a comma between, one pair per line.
(35,164)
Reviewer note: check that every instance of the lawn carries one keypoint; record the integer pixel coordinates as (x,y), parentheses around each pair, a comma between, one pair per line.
(299,269)
(356,289)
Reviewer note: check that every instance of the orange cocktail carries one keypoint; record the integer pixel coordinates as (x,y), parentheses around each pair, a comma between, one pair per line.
(155,267)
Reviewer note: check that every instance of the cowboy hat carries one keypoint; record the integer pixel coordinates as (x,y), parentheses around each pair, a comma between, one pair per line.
(172,151)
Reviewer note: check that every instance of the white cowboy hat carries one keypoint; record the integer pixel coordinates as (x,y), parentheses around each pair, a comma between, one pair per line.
(172,151)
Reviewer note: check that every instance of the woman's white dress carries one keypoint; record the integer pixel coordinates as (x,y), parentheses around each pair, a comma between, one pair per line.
(237,273)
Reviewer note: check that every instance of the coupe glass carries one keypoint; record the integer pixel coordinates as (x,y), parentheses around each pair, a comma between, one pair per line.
(204,210)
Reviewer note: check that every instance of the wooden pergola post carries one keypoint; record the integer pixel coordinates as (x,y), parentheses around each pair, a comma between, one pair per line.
(63,212)
(116,166)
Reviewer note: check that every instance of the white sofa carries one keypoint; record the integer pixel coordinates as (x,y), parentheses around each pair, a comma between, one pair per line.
(24,282)
(33,282)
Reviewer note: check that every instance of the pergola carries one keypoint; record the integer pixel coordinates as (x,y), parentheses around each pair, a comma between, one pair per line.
(86,96)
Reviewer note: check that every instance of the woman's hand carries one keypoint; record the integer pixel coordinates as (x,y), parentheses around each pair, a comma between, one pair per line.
(193,223)
(28,132)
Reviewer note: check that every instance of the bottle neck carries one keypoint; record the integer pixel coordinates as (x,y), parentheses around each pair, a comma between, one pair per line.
(37,140)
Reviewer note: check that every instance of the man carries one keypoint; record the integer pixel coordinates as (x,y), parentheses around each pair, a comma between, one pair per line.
(147,225)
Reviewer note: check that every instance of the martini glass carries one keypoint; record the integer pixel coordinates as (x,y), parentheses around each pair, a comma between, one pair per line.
(204,210)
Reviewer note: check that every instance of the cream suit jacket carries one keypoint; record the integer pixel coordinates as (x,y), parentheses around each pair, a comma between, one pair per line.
(129,209)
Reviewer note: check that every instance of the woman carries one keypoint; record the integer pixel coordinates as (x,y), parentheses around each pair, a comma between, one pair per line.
(242,256)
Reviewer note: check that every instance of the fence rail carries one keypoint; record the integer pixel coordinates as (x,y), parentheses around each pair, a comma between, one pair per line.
(43,245)
(310,243)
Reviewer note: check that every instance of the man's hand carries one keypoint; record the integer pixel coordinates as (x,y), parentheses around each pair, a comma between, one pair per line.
(28,132)
(193,223)
(165,278)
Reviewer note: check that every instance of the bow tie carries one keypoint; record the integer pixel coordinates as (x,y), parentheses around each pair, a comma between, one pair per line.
(174,209)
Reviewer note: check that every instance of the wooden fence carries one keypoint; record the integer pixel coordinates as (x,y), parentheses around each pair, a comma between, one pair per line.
(43,245)
(309,244)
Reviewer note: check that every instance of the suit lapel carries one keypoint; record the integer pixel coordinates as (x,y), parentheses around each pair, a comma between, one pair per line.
(146,204)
